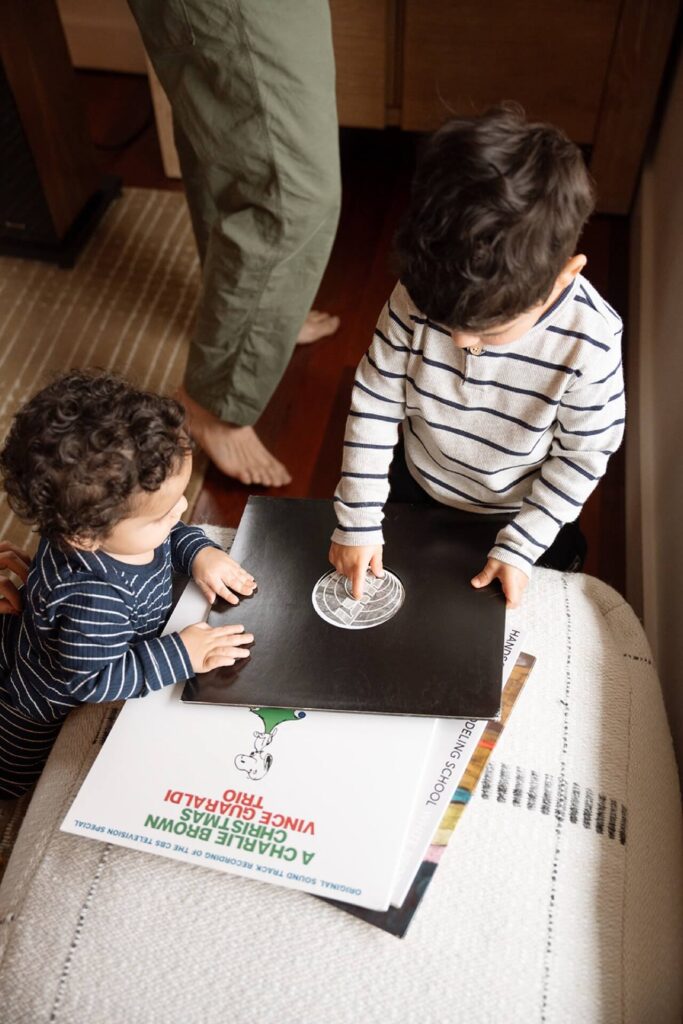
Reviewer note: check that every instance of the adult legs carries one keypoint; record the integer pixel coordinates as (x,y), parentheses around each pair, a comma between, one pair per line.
(251,86)
(203,212)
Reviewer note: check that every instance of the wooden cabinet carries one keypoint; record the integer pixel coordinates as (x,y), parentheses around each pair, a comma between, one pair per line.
(593,67)
(461,56)
(362,30)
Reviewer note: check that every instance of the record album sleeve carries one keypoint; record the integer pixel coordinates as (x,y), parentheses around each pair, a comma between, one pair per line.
(439,655)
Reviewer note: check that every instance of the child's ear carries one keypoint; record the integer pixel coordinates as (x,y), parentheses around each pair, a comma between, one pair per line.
(84,543)
(572,267)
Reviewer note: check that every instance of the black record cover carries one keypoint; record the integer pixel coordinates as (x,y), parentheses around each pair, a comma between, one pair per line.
(440,655)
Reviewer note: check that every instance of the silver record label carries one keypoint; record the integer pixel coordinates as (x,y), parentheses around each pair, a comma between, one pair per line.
(334,602)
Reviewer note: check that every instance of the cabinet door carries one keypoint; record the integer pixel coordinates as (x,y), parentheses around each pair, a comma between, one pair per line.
(461,56)
(360,28)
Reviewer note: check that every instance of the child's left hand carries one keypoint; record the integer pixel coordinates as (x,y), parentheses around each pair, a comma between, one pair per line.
(513,581)
(215,573)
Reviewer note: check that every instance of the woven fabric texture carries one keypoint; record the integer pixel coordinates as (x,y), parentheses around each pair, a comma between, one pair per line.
(559,897)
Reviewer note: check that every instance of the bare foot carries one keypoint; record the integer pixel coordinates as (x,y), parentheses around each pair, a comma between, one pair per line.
(317,325)
(236,451)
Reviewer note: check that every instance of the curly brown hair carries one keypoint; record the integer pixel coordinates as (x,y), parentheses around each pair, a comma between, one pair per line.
(497,208)
(80,450)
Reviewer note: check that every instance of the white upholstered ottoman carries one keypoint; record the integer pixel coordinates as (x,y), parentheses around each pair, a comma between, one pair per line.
(559,897)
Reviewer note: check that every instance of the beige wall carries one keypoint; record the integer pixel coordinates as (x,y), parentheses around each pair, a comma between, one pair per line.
(655,440)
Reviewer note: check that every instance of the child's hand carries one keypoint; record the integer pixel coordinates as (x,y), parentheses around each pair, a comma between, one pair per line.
(512,580)
(214,646)
(214,572)
(353,562)
(12,559)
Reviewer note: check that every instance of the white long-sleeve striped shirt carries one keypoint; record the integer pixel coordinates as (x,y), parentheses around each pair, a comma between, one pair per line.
(525,428)
(90,628)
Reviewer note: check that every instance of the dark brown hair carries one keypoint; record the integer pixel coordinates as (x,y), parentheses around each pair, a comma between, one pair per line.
(496,211)
(82,448)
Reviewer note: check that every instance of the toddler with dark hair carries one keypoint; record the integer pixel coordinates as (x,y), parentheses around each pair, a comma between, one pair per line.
(496,357)
(100,468)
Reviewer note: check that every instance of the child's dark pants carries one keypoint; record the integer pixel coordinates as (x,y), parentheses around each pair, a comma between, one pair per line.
(567,552)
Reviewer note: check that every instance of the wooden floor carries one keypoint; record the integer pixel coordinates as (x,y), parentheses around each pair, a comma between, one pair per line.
(304,422)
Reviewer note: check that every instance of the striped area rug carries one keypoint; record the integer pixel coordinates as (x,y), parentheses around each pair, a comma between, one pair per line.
(128,305)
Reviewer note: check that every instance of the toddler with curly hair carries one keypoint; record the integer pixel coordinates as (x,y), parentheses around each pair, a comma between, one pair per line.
(100,467)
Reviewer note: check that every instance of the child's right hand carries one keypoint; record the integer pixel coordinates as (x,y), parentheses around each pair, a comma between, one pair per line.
(17,561)
(353,562)
(214,646)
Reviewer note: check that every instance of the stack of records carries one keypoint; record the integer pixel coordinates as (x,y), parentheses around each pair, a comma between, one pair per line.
(338,758)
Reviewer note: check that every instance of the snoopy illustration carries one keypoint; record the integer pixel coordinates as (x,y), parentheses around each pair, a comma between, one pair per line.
(258,762)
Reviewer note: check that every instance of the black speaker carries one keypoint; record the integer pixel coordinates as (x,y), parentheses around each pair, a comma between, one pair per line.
(24,213)
(52,192)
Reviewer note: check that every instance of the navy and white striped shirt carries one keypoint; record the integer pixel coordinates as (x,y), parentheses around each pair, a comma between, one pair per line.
(525,428)
(90,628)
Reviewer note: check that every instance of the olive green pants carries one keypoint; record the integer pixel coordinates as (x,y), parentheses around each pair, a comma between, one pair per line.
(251,86)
